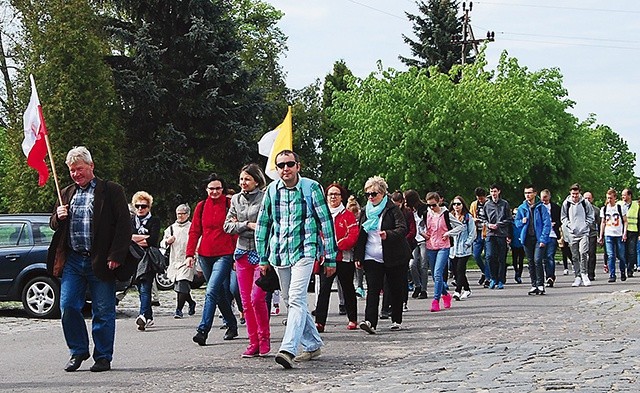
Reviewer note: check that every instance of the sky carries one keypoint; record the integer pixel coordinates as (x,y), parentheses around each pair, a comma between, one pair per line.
(595,44)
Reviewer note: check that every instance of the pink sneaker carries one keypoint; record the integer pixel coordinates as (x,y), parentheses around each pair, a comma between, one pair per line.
(446,299)
(265,347)
(251,352)
(435,305)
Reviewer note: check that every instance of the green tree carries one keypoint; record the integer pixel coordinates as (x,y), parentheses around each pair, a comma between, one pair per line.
(434,28)
(420,129)
(63,47)
(189,103)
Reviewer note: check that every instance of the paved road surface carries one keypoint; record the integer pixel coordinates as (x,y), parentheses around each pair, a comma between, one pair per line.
(572,339)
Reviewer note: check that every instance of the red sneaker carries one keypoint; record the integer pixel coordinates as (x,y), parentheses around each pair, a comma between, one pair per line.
(352,326)
(435,305)
(446,300)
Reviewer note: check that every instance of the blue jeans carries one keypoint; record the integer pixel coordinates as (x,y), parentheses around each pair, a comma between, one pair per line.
(77,274)
(420,266)
(478,246)
(438,260)
(534,257)
(615,248)
(216,271)
(496,251)
(144,290)
(550,258)
(301,329)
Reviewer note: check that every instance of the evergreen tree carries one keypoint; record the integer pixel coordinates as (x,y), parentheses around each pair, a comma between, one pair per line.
(189,104)
(434,28)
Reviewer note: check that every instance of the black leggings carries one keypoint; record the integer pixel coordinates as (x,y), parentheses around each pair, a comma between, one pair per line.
(460,273)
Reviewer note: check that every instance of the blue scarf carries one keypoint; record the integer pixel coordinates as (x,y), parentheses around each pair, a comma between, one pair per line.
(373,214)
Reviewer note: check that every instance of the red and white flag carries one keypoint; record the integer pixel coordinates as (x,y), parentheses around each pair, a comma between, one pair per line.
(34,145)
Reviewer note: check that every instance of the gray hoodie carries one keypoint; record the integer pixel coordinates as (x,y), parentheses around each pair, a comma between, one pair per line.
(577,218)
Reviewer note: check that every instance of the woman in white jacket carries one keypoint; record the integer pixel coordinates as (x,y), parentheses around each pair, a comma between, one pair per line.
(175,239)
(462,246)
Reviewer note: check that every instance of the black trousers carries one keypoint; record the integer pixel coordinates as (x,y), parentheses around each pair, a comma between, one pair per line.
(460,264)
(397,276)
(344,271)
(517,258)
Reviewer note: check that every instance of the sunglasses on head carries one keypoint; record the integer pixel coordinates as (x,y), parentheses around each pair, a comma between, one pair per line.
(290,164)
(141,206)
(371,194)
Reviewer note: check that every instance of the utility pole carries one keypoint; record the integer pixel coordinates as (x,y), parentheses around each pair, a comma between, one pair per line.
(468,39)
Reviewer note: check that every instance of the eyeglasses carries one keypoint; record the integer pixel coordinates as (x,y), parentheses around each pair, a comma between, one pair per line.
(141,206)
(290,164)
(371,194)
(432,205)
(181,213)
(214,188)
(456,204)
(334,194)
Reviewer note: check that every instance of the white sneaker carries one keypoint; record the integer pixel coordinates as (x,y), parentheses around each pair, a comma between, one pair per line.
(566,272)
(577,282)
(141,321)
(465,294)
(149,323)
(395,326)
(456,295)
(585,280)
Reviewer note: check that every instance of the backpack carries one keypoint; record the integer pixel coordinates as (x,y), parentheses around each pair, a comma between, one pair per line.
(584,206)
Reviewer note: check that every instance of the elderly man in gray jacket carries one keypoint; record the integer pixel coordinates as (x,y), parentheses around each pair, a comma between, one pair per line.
(577,216)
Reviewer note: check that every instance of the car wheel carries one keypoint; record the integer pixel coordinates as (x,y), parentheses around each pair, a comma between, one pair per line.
(41,298)
(163,282)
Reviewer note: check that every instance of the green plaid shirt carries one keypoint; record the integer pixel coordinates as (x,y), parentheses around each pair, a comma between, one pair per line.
(292,226)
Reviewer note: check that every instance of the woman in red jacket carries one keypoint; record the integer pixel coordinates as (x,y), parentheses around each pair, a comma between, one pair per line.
(346,229)
(215,253)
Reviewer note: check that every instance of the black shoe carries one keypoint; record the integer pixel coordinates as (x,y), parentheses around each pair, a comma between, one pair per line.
(630,274)
(416,292)
(342,310)
(313,313)
(423,295)
(285,359)
(623,277)
(384,314)
(76,360)
(101,365)
(481,280)
(200,338)
(550,282)
(518,280)
(154,303)
(192,308)
(612,279)
(592,278)
(230,334)
(486,283)
(533,291)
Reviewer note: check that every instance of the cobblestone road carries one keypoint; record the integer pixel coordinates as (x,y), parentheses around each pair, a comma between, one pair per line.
(572,339)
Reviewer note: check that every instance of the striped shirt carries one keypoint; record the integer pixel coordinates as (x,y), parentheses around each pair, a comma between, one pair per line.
(292,226)
(81,211)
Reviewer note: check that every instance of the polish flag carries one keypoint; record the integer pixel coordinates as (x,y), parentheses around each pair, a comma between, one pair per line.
(34,145)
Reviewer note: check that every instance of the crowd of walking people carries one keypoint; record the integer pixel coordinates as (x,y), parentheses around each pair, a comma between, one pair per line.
(292,228)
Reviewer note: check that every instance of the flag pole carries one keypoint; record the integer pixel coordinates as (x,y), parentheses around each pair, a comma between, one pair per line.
(53,168)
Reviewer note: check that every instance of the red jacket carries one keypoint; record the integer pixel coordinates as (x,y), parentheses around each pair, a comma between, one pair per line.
(346,229)
(208,225)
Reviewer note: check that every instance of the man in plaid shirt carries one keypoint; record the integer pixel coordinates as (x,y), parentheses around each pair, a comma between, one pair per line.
(295,228)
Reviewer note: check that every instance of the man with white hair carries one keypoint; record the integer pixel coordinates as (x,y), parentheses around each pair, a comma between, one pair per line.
(92,237)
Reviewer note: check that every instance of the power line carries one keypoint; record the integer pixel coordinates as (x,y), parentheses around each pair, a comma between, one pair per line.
(377,9)
(570,38)
(559,7)
(571,44)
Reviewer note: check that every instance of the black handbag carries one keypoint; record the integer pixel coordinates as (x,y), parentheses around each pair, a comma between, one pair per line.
(167,250)
(125,271)
(152,263)
(269,281)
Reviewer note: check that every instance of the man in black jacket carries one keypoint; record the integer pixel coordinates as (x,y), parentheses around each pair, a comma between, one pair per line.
(499,221)
(91,240)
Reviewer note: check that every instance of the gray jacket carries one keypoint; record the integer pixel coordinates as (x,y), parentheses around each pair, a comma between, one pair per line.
(577,218)
(244,209)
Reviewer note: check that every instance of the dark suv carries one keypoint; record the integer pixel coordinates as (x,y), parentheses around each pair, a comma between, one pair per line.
(24,240)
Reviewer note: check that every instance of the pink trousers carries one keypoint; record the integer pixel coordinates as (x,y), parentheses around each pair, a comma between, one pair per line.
(253,302)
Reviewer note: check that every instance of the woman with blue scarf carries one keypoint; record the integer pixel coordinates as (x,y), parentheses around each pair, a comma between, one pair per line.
(383,251)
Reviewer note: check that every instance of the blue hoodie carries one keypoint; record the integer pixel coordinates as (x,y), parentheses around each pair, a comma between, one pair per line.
(541,219)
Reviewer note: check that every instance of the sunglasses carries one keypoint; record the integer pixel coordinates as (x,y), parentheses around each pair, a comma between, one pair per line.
(290,164)
(214,188)
(371,194)
(456,204)
(432,205)
(141,206)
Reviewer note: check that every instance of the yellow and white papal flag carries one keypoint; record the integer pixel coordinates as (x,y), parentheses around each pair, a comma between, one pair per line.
(273,142)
